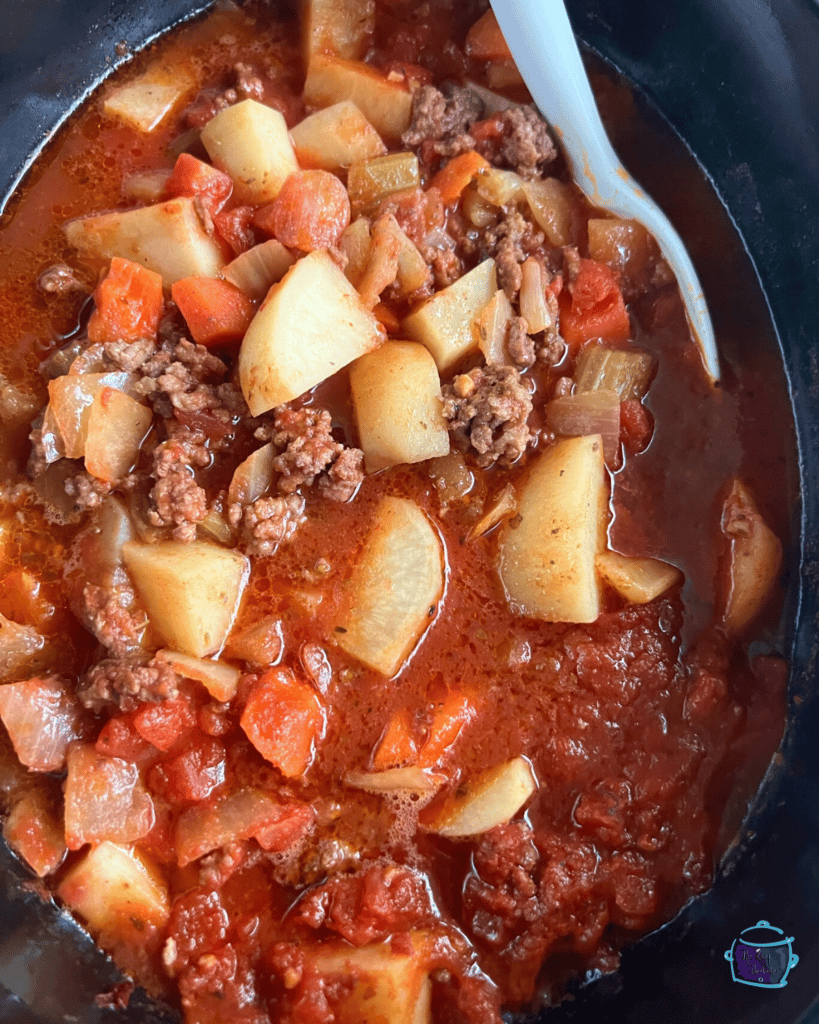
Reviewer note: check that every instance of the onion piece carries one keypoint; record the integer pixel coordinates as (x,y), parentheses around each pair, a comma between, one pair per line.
(104,799)
(252,477)
(500,188)
(219,679)
(755,556)
(146,186)
(71,397)
(115,429)
(51,438)
(395,780)
(452,477)
(216,526)
(590,412)
(488,801)
(22,650)
(505,506)
(638,580)
(604,369)
(355,244)
(260,644)
(553,207)
(533,306)
(382,262)
(258,269)
(42,718)
(34,833)
(492,325)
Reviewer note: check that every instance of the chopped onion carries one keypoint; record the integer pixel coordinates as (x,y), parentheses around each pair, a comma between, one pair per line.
(604,369)
(493,102)
(500,188)
(42,718)
(219,679)
(638,580)
(503,74)
(71,398)
(382,262)
(755,556)
(146,186)
(51,438)
(492,325)
(355,244)
(505,506)
(22,650)
(104,799)
(252,477)
(452,477)
(260,644)
(395,780)
(476,209)
(590,412)
(624,245)
(553,208)
(533,306)
(34,833)
(216,526)
(258,269)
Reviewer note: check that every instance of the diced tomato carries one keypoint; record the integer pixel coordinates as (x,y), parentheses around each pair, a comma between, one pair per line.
(397,746)
(284,720)
(164,723)
(216,312)
(198,924)
(128,303)
(455,175)
(593,307)
(119,738)
(636,426)
(295,823)
(233,227)
(485,40)
(450,717)
(310,212)
(192,177)
(195,773)
(489,130)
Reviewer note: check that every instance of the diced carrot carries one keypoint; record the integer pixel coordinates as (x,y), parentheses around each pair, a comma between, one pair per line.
(216,312)
(396,747)
(165,722)
(593,307)
(233,227)
(455,175)
(192,177)
(490,130)
(284,720)
(485,39)
(451,715)
(128,303)
(309,213)
(386,316)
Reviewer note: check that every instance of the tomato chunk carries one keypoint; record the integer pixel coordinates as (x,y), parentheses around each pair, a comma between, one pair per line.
(593,307)
(284,720)
(128,303)
(309,213)
(192,177)
(165,722)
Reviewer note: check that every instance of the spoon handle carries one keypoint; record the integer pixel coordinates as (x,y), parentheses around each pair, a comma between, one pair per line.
(541,40)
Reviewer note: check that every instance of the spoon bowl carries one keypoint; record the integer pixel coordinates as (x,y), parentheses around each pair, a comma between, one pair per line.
(542,43)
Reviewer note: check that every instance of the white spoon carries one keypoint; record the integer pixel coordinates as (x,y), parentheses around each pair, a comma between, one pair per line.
(543,45)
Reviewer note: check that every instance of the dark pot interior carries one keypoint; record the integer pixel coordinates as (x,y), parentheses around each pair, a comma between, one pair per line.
(729,91)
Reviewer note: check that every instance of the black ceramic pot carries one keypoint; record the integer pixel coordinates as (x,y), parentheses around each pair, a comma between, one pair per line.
(730,96)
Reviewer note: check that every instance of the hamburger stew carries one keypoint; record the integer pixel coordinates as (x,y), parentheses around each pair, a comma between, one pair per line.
(379,564)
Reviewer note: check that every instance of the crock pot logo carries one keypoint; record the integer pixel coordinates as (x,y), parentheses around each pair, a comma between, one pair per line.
(761,956)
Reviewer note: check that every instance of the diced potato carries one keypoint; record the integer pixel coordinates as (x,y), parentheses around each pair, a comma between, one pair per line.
(638,580)
(370,181)
(145,102)
(190,591)
(71,399)
(336,137)
(117,425)
(446,322)
(258,269)
(395,587)
(168,238)
(387,105)
(310,326)
(339,27)
(754,560)
(397,399)
(553,208)
(219,679)
(547,562)
(146,186)
(250,142)
(492,325)
(355,244)
(493,799)
(387,987)
(114,886)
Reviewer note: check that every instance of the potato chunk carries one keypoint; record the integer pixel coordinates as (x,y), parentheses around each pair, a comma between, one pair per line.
(491,800)
(638,580)
(387,105)
(446,322)
(755,556)
(310,326)
(397,399)
(395,587)
(146,101)
(250,142)
(168,238)
(340,27)
(114,886)
(335,137)
(547,563)
(387,987)
(190,591)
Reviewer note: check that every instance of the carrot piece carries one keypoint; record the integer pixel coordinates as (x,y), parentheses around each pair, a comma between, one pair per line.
(284,720)
(128,303)
(192,177)
(593,307)
(309,213)
(451,715)
(455,175)
(396,746)
(216,312)
(485,39)
(387,318)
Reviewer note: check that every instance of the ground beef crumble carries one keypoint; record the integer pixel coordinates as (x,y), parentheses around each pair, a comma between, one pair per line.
(510,241)
(526,144)
(110,616)
(267,522)
(178,499)
(487,409)
(126,682)
(440,123)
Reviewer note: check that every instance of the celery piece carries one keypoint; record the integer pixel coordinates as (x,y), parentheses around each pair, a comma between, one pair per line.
(370,181)
(604,369)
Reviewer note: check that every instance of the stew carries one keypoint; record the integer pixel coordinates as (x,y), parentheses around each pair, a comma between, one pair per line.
(379,564)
